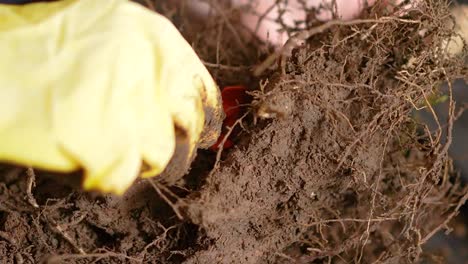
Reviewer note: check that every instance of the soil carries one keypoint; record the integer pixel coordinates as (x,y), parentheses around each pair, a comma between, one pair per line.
(330,166)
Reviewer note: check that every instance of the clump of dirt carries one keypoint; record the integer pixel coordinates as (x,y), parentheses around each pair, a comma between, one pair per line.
(342,172)
(331,165)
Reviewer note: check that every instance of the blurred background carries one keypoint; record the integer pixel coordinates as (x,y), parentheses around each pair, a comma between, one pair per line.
(454,247)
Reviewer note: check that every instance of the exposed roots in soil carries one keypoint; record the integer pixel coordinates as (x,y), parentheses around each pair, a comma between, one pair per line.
(331,166)
(343,172)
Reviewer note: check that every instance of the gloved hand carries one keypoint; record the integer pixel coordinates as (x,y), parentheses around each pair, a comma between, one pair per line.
(268,27)
(106,87)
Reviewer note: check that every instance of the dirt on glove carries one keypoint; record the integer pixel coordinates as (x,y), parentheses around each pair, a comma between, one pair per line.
(331,166)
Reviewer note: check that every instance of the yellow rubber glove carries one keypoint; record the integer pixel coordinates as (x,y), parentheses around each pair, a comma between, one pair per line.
(100,86)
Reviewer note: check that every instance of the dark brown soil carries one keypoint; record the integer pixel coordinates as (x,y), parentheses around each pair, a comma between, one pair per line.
(331,165)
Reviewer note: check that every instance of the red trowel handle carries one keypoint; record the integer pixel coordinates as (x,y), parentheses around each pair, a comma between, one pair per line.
(234,98)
